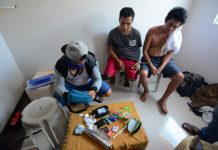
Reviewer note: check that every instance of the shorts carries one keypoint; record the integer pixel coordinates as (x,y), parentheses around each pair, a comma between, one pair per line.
(169,70)
(103,90)
(112,67)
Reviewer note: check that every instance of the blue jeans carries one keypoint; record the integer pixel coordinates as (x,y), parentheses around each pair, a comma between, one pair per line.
(210,133)
(169,70)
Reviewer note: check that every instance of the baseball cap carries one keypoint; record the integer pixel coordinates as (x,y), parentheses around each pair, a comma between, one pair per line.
(75,50)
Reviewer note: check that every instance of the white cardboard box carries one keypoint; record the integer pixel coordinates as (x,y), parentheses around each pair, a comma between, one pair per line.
(47,90)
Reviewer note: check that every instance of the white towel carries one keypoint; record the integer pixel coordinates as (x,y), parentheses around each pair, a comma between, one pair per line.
(173,42)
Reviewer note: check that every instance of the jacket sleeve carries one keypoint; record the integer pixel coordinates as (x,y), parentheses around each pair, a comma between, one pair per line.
(59,83)
(96,76)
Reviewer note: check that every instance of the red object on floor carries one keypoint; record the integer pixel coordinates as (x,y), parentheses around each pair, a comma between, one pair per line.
(15,118)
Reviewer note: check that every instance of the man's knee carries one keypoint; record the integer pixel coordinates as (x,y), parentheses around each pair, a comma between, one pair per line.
(179,77)
(143,74)
(109,93)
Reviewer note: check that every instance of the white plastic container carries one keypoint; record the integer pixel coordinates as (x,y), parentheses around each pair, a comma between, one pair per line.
(47,115)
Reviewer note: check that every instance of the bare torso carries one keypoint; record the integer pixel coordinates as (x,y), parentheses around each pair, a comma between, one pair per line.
(158,39)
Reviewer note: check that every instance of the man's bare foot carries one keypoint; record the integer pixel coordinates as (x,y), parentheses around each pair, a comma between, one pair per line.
(163,106)
(144,97)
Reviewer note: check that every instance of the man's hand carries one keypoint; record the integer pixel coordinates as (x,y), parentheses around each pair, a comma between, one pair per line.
(153,70)
(135,66)
(92,93)
(159,70)
(120,64)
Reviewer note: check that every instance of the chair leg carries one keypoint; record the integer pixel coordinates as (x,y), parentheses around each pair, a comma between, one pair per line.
(117,79)
(157,83)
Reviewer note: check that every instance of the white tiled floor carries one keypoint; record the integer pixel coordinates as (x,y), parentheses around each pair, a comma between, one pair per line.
(164,131)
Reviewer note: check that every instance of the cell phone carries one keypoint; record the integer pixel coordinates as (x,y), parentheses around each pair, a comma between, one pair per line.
(100,123)
(105,129)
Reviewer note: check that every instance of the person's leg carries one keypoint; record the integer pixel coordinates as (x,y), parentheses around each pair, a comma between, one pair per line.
(110,70)
(144,81)
(131,73)
(176,78)
(210,133)
(104,91)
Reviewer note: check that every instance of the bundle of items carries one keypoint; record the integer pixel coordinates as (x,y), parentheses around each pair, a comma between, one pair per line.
(98,129)
(206,112)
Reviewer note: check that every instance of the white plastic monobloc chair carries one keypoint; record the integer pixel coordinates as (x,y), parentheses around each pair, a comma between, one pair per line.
(47,116)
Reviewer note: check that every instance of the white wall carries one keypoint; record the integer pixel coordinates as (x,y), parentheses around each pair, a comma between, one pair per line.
(11,83)
(36,30)
(200,41)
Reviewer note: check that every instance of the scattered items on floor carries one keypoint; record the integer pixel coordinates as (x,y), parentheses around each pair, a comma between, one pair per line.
(105,129)
(81,115)
(194,109)
(98,130)
(127,108)
(133,125)
(115,129)
(108,127)
(126,115)
(207,117)
(89,121)
(110,133)
(100,111)
(15,118)
(79,129)
(190,83)
(120,131)
(105,143)
(206,112)
(108,121)
(206,96)
(206,109)
(100,123)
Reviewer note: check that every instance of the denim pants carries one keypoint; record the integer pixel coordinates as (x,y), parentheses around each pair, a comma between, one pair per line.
(210,133)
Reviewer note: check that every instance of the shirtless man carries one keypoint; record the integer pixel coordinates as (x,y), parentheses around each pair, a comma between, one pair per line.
(157,61)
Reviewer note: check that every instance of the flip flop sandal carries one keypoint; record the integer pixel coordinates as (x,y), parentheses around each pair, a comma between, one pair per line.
(194,109)
(190,128)
(190,105)
(99,99)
